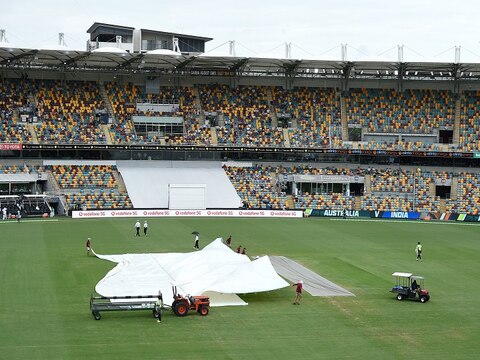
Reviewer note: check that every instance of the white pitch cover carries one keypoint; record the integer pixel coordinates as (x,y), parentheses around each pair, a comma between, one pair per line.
(215,270)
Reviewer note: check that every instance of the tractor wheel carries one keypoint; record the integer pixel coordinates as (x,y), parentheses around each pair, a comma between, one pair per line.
(181,309)
(203,310)
(423,299)
(399,297)
(97,315)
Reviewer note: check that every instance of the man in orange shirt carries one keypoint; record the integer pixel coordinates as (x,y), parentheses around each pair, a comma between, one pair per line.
(88,245)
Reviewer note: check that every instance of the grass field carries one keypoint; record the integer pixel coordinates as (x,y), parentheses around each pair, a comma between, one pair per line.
(47,279)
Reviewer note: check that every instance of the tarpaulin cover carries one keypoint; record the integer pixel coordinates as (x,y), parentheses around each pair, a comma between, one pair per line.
(216,271)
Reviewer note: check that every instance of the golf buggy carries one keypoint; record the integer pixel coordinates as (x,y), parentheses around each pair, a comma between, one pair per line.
(410,287)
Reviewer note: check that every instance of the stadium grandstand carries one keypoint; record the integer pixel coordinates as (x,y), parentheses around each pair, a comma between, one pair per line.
(132,127)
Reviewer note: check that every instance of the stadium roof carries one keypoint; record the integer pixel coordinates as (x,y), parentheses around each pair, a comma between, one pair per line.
(153,64)
(95,25)
(93,30)
(178,34)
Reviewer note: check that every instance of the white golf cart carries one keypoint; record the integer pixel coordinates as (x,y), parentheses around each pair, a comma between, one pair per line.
(409,286)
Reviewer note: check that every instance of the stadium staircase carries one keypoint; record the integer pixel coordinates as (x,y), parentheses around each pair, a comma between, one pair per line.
(122,189)
(286,141)
(290,203)
(32,100)
(52,188)
(454,188)
(33,133)
(30,127)
(442,206)
(456,124)
(52,184)
(294,120)
(106,130)
(213,133)
(358,203)
(198,104)
(368,185)
(220,120)
(343,117)
(432,189)
(106,100)
(273,112)
(16,116)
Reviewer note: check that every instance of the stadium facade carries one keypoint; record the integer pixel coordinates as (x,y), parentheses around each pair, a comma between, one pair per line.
(133,102)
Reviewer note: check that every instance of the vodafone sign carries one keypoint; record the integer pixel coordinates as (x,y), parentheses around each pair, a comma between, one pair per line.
(184,213)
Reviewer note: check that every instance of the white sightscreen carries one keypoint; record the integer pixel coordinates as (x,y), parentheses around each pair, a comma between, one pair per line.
(187,196)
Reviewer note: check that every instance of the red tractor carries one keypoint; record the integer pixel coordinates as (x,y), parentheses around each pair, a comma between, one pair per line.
(182,304)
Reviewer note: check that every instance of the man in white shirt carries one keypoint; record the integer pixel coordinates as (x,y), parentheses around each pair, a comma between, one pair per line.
(137,227)
(197,238)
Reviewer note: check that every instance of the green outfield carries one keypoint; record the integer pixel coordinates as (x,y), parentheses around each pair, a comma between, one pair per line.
(47,279)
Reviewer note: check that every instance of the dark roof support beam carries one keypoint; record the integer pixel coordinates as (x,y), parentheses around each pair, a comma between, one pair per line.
(400,75)
(290,68)
(185,62)
(456,73)
(239,64)
(347,69)
(131,61)
(19,57)
(76,58)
